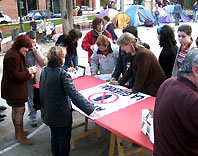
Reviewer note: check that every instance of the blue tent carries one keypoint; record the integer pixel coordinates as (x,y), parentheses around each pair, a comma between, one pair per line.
(139,14)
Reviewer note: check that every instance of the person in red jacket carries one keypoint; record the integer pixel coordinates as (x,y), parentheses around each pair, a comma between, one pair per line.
(91,37)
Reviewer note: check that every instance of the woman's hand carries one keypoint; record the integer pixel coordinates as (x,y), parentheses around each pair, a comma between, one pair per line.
(95,114)
(92,47)
(113,81)
(32,69)
(93,73)
(71,69)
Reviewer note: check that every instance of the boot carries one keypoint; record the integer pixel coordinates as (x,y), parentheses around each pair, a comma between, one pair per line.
(25,132)
(21,137)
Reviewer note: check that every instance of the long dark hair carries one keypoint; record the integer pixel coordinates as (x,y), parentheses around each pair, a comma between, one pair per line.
(167,36)
(73,34)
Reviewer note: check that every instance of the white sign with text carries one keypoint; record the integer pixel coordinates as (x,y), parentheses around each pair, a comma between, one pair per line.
(108,98)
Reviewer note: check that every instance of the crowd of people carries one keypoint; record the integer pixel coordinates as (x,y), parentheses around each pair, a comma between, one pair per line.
(172,79)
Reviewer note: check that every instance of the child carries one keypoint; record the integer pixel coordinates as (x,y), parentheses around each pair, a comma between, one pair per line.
(33,24)
(185,39)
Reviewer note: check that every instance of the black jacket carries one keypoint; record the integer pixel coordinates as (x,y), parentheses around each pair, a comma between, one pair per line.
(121,65)
(65,42)
(167,59)
(56,90)
(110,28)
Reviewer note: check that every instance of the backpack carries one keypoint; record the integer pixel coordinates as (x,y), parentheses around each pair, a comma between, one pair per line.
(148,23)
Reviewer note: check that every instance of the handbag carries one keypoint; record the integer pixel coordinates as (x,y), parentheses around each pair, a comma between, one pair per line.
(36,99)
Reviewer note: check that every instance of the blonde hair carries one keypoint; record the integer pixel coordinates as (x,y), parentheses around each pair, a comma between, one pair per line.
(125,39)
(102,40)
(56,54)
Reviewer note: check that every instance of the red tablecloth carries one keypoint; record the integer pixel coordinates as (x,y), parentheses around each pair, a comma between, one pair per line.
(125,122)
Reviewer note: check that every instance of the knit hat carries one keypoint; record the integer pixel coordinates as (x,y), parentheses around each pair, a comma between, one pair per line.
(31,34)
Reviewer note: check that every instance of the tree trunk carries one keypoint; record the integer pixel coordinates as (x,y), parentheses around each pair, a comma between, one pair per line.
(66,8)
(48,8)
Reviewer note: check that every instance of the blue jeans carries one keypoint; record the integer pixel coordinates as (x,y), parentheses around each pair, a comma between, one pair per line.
(60,140)
(31,111)
(157,22)
(195,13)
(177,17)
(71,60)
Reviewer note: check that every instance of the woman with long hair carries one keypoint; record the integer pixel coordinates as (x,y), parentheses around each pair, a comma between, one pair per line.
(168,53)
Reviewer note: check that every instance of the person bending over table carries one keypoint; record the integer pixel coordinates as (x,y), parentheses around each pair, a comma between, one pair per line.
(144,69)
(56,90)
(124,58)
(176,111)
(91,37)
(70,42)
(104,57)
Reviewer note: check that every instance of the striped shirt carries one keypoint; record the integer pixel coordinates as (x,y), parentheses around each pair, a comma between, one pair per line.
(182,53)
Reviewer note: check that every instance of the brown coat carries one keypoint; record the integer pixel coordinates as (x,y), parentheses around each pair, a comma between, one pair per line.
(145,71)
(15,76)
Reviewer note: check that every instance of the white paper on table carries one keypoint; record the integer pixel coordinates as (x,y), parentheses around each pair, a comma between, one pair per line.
(104,76)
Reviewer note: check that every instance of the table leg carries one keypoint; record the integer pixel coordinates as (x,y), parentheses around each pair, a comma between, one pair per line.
(120,146)
(98,131)
(112,144)
(142,153)
(121,152)
(84,134)
(86,123)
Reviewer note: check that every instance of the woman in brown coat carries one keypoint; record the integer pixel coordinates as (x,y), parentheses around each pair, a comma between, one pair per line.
(14,83)
(145,70)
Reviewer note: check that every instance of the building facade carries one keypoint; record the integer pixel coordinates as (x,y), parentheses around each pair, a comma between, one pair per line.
(10,7)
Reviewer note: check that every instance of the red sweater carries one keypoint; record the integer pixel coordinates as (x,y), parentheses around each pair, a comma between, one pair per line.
(90,39)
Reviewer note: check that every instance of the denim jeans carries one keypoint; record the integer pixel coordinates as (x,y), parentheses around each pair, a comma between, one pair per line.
(60,140)
(157,22)
(71,61)
(195,13)
(32,113)
(177,17)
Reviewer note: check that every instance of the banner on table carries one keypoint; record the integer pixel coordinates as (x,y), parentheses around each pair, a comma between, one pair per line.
(109,98)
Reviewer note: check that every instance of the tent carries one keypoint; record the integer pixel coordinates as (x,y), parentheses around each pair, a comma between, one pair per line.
(139,14)
(167,16)
(121,20)
(108,12)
